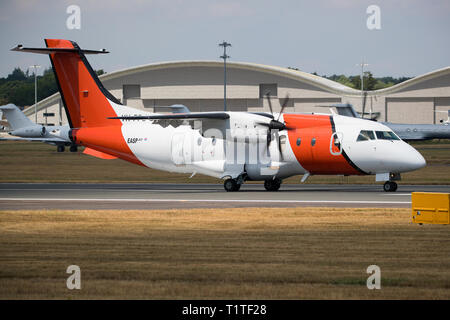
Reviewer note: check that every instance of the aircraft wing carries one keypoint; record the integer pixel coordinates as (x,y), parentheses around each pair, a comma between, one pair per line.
(55,140)
(178,116)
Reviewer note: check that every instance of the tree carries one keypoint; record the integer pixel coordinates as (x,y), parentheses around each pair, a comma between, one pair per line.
(17,74)
(369,81)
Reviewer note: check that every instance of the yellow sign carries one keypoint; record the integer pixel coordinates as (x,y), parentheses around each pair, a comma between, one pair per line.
(430,207)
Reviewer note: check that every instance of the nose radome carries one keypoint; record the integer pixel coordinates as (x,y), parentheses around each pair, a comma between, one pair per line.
(417,160)
(413,159)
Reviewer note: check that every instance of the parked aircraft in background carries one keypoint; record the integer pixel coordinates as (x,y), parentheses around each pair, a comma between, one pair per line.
(234,146)
(407,132)
(446,122)
(25,130)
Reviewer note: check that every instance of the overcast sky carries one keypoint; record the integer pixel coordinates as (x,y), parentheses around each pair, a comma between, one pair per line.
(323,36)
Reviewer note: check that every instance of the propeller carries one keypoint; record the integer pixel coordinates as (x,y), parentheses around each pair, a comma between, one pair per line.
(275,124)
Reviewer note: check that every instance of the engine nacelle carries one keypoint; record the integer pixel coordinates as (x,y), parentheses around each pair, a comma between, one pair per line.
(29,132)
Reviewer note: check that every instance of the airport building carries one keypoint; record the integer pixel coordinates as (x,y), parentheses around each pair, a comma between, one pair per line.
(199,86)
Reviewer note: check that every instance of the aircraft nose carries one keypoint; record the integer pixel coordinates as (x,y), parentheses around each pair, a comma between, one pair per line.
(417,161)
(414,160)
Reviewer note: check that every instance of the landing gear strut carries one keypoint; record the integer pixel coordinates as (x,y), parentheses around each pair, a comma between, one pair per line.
(390,186)
(231,185)
(272,185)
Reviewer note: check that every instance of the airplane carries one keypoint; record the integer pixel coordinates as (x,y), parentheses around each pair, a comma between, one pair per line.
(233,146)
(25,130)
(406,131)
(445,122)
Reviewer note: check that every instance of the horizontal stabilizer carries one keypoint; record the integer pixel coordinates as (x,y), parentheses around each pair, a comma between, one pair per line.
(205,115)
(21,48)
(9,106)
(98,154)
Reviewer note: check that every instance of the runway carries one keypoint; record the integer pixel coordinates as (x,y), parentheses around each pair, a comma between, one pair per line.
(38,196)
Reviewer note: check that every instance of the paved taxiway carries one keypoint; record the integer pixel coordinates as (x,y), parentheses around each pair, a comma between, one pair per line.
(22,196)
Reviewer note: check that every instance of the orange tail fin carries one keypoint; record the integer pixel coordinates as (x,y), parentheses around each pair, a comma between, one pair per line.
(87,102)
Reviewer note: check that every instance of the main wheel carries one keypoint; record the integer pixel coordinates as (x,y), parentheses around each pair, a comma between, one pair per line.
(73,148)
(60,148)
(390,186)
(272,185)
(231,185)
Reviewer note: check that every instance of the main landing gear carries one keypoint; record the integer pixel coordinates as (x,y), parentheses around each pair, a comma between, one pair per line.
(272,185)
(390,186)
(231,185)
(62,148)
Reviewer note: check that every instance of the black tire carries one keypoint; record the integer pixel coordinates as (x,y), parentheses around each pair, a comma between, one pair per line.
(394,186)
(390,186)
(272,185)
(231,185)
(60,148)
(73,148)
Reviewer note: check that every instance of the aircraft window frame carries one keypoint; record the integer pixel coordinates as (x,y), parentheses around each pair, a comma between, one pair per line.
(369,135)
(381,135)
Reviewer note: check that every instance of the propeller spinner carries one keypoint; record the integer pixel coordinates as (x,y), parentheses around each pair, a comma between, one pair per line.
(276,124)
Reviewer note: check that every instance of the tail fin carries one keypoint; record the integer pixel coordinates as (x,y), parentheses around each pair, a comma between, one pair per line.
(16,118)
(87,102)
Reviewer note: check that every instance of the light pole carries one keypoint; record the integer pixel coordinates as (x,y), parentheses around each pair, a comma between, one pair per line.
(224,57)
(362,65)
(35,66)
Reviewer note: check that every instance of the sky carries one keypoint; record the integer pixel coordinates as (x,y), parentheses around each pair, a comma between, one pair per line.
(323,36)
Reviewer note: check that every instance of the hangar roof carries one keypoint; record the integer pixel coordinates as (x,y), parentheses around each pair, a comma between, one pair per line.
(326,84)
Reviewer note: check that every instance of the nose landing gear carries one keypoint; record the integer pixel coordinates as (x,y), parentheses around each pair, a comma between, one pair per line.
(390,186)
(231,185)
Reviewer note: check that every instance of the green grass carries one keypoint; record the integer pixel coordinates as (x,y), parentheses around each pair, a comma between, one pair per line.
(38,162)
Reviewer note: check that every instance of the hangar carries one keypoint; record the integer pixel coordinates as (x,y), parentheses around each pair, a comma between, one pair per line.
(199,86)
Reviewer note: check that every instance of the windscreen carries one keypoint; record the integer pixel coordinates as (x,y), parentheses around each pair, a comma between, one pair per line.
(386,135)
(365,135)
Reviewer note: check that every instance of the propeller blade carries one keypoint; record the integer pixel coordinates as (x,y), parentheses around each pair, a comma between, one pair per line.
(283,105)
(270,103)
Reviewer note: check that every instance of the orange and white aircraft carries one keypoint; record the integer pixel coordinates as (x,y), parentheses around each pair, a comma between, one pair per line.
(234,146)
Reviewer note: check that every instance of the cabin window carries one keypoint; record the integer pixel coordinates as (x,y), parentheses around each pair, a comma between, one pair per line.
(386,135)
(365,135)
(299,141)
(313,142)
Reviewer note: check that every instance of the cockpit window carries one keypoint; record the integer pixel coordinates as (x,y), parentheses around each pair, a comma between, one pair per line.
(386,135)
(365,135)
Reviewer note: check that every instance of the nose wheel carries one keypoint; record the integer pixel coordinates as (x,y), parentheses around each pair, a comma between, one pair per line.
(390,186)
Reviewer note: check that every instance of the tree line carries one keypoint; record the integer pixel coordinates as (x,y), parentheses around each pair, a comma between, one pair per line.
(370,83)
(18,87)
